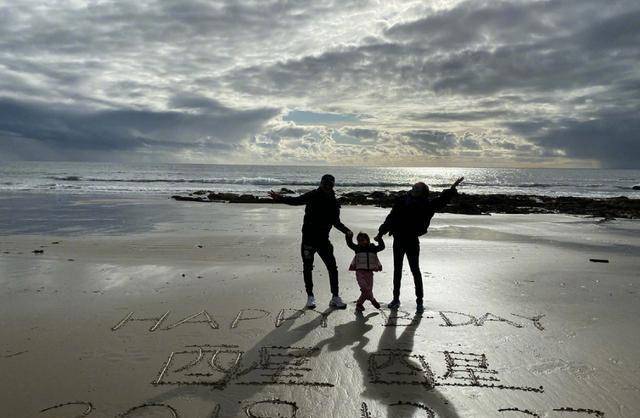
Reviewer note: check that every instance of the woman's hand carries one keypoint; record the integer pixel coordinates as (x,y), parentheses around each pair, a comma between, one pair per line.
(457,182)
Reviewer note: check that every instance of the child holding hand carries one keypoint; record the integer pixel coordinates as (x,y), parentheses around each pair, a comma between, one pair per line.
(364,263)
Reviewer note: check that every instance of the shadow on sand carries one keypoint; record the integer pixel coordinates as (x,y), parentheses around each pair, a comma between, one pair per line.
(230,399)
(401,401)
(345,335)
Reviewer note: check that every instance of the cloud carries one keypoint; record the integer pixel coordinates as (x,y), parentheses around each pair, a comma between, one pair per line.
(432,142)
(67,131)
(194,101)
(614,140)
(472,115)
(475,48)
(362,133)
(451,82)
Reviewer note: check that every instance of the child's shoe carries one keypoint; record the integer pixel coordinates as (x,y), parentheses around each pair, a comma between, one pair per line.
(359,308)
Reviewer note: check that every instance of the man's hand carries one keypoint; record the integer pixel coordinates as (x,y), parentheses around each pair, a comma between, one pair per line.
(349,234)
(275,195)
(457,182)
(377,238)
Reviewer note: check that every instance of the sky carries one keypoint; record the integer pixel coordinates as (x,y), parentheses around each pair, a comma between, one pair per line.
(403,83)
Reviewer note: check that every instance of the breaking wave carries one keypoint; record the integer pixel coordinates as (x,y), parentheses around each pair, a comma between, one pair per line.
(270,181)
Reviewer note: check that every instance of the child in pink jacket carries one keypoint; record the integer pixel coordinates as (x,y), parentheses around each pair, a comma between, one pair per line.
(364,263)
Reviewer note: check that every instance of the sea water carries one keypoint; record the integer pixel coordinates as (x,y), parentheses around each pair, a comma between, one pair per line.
(167,179)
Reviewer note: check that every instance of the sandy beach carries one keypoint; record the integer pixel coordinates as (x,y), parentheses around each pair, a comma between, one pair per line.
(196,309)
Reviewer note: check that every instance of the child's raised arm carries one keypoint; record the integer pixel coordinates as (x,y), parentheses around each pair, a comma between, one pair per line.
(380,242)
(349,238)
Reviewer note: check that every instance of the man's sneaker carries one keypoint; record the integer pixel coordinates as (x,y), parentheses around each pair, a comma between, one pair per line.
(419,308)
(311,302)
(375,304)
(359,308)
(336,302)
(395,304)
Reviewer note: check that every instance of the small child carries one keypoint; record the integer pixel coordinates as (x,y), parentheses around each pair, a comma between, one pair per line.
(364,263)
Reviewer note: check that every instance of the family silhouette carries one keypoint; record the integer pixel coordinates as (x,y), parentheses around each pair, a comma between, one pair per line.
(409,218)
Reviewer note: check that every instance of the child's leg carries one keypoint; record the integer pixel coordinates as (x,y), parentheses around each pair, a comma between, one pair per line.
(363,288)
(370,288)
(372,298)
(366,285)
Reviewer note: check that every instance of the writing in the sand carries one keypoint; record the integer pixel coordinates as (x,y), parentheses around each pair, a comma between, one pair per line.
(217,366)
(462,369)
(289,409)
(518,412)
(397,318)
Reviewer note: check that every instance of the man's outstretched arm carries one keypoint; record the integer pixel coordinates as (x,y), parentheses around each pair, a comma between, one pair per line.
(339,225)
(303,199)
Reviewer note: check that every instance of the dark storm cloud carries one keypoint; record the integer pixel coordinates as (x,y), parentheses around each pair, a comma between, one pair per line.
(62,127)
(613,139)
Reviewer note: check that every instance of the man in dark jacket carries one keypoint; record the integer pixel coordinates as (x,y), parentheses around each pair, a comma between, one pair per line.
(409,218)
(322,212)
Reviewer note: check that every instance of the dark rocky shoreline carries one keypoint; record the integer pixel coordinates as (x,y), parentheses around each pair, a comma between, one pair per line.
(469,204)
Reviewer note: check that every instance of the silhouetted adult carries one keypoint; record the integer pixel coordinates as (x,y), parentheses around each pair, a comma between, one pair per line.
(322,212)
(409,218)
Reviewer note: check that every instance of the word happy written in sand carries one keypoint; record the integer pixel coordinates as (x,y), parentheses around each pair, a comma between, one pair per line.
(390,319)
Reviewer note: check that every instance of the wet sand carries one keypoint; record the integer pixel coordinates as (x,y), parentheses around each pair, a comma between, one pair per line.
(518,318)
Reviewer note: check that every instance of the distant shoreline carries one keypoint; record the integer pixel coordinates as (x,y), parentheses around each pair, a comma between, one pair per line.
(469,204)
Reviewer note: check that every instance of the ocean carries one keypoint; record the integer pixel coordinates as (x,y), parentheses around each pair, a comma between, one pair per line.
(167,179)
